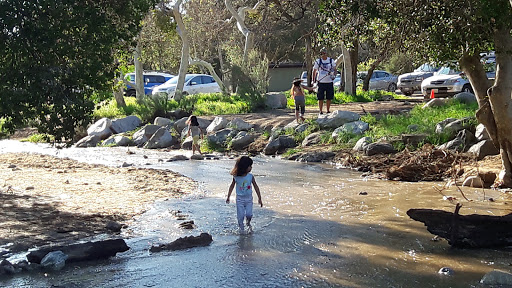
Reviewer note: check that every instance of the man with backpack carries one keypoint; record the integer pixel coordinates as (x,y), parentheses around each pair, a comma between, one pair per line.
(324,72)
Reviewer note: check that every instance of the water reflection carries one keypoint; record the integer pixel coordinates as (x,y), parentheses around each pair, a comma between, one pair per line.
(320,227)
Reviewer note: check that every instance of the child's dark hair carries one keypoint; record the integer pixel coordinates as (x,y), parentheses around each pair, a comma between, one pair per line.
(241,166)
(192,121)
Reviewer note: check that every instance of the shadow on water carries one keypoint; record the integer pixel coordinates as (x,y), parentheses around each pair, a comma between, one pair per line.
(315,230)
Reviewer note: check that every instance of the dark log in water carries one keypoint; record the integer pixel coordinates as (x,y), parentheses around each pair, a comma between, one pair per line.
(82,252)
(466,231)
(204,239)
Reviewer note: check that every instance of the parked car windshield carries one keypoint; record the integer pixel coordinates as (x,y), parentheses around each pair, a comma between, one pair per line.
(447,71)
(174,80)
(426,68)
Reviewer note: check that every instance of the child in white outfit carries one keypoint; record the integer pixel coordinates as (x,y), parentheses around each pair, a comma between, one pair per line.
(244,181)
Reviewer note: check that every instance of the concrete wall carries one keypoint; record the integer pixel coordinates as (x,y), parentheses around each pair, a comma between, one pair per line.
(281,78)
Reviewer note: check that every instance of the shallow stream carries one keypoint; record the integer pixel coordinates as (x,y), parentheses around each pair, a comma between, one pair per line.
(316,229)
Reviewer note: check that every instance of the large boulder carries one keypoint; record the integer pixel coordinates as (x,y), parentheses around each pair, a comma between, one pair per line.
(462,142)
(275,100)
(272,147)
(362,143)
(481,132)
(164,122)
(179,125)
(142,136)
(242,140)
(336,119)
(286,141)
(239,124)
(379,148)
(88,141)
(301,128)
(497,278)
(101,128)
(221,136)
(125,124)
(356,127)
(162,138)
(465,97)
(436,102)
(312,156)
(483,148)
(217,124)
(312,139)
(117,140)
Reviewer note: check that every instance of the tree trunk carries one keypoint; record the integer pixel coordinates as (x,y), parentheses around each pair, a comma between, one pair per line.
(366,82)
(350,65)
(309,59)
(501,102)
(495,103)
(119,93)
(185,50)
(240,23)
(139,77)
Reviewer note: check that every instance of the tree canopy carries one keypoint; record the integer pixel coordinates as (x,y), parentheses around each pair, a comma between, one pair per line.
(55,54)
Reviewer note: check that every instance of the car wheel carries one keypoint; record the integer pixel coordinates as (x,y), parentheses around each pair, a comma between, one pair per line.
(392,87)
(131,93)
(407,93)
(467,88)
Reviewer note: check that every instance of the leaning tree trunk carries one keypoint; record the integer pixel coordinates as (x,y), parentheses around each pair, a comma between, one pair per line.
(373,66)
(185,50)
(495,103)
(212,72)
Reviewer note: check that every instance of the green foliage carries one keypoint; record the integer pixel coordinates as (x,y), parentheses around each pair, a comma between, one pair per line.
(216,104)
(209,146)
(39,138)
(56,54)
(399,63)
(249,79)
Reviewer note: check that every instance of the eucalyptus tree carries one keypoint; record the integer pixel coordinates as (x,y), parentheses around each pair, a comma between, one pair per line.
(351,22)
(56,54)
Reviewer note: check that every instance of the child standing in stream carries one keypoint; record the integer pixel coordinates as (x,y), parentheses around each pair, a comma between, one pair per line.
(195,131)
(244,181)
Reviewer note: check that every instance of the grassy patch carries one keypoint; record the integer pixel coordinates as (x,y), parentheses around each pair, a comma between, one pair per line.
(39,138)
(342,97)
(424,119)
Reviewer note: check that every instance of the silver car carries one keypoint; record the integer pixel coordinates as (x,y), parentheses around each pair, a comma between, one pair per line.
(380,80)
(410,82)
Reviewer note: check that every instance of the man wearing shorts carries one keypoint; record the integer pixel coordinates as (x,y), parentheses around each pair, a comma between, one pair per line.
(324,71)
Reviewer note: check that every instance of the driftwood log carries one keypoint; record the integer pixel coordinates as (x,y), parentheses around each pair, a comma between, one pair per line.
(466,231)
(82,252)
(204,239)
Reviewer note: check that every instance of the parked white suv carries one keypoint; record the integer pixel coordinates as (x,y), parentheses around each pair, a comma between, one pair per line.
(194,84)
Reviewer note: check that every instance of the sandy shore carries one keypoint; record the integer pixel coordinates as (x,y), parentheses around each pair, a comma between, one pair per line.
(51,200)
